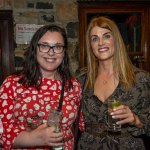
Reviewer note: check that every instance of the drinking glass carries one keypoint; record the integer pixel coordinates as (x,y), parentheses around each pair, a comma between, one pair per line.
(112,126)
(54,119)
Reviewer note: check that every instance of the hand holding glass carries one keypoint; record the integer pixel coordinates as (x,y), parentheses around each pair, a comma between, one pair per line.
(112,126)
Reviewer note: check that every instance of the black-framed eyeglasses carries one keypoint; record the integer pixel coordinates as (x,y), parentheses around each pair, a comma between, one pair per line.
(45,48)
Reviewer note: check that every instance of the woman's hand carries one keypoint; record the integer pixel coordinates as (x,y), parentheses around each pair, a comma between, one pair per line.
(41,136)
(48,136)
(125,115)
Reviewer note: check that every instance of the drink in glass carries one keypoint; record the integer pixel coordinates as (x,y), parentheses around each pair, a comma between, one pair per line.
(112,126)
(54,119)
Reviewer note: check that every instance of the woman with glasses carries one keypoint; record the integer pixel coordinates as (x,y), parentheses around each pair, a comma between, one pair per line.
(37,90)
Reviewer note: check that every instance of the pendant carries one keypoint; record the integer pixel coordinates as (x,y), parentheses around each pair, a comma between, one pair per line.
(104,82)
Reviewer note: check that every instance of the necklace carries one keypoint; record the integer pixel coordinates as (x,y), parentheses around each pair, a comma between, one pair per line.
(104,82)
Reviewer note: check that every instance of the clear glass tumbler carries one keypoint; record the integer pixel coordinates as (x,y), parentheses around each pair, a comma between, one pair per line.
(54,119)
(112,126)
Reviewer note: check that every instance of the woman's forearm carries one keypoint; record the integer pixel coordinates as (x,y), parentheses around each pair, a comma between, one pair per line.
(24,139)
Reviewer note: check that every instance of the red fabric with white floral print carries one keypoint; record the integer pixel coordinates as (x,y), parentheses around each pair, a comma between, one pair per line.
(16,101)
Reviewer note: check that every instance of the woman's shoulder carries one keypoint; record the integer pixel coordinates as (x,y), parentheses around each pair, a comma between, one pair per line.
(142,74)
(139,71)
(75,81)
(79,78)
(81,74)
(12,78)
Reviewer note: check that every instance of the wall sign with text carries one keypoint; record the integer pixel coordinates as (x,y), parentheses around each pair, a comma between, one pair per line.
(24,32)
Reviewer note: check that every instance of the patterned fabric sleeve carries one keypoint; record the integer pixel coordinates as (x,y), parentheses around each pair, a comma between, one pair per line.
(142,108)
(7,100)
(81,122)
(82,76)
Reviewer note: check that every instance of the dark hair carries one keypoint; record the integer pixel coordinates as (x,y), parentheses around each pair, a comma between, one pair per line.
(31,71)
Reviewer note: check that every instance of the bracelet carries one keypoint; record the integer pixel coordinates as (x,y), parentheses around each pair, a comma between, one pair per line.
(134,121)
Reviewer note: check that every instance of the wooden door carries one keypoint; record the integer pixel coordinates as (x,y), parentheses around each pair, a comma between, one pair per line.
(6,44)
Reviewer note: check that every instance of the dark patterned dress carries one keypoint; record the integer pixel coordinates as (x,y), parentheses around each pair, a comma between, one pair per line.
(95,112)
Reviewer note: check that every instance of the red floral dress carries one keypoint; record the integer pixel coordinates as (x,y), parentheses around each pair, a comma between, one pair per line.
(16,101)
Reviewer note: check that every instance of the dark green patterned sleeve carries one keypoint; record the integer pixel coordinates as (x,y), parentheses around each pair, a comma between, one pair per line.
(141,107)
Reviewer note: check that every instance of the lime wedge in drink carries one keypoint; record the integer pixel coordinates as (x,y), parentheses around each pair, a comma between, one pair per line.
(115,104)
